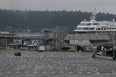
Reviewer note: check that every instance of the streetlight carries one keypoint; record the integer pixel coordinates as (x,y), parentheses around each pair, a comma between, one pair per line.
(76,42)
(114,34)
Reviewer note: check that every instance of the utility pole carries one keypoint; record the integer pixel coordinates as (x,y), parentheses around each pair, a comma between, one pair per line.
(114,33)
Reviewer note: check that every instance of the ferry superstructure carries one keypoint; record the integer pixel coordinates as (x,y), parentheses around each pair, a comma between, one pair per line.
(94,26)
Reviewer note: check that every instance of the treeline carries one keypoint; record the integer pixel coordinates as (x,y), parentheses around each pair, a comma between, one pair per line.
(16,20)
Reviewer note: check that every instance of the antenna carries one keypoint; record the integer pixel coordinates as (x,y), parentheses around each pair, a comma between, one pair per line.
(93,14)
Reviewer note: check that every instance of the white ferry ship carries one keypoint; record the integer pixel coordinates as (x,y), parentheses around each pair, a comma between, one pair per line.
(96,32)
(93,25)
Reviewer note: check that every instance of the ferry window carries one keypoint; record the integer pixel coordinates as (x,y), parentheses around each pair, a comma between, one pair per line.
(88,23)
(91,28)
(82,24)
(85,28)
(85,24)
(98,29)
(88,28)
(95,23)
(79,28)
(104,28)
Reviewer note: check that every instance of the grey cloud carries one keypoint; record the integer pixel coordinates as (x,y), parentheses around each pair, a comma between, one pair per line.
(84,5)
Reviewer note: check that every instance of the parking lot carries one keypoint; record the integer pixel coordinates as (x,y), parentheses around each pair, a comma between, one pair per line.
(55,64)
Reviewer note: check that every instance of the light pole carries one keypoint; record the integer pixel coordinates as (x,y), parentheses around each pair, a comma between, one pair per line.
(114,34)
(6,40)
(76,42)
(114,39)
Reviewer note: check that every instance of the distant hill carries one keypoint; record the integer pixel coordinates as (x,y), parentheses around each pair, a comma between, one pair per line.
(17,20)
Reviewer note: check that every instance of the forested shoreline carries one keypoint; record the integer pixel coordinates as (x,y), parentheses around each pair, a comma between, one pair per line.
(17,20)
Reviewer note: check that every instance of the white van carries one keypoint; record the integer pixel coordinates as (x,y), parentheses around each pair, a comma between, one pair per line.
(41,48)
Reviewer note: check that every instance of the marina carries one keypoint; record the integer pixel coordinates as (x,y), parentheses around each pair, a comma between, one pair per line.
(57,38)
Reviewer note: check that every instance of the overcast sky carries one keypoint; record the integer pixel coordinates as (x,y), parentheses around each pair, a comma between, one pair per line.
(75,5)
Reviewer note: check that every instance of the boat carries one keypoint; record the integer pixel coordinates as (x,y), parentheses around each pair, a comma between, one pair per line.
(93,25)
(97,32)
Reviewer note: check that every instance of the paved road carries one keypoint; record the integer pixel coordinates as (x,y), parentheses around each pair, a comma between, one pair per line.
(55,64)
